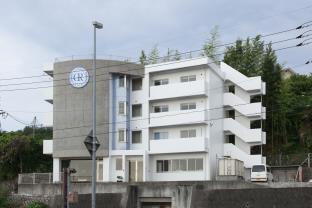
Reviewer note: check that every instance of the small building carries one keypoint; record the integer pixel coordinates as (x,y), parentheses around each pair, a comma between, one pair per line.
(162,122)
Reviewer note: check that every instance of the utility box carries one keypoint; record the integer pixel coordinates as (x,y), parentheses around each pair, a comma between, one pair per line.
(230,169)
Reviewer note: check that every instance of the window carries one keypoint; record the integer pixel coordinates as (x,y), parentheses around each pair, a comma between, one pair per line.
(122,81)
(189,78)
(183,165)
(192,164)
(136,137)
(199,164)
(187,106)
(137,84)
(175,165)
(231,114)
(163,165)
(232,89)
(232,139)
(188,133)
(161,82)
(118,163)
(137,110)
(160,135)
(161,108)
(122,108)
(121,135)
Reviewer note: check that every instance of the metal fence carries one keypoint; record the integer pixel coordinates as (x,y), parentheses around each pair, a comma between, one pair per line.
(35,178)
(47,178)
(289,159)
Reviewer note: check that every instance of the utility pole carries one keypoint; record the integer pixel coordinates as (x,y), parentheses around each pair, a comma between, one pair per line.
(34,124)
(96,25)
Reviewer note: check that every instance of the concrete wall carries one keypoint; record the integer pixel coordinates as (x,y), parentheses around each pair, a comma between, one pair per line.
(73,106)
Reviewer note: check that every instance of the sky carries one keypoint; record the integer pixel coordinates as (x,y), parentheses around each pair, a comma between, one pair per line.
(35,32)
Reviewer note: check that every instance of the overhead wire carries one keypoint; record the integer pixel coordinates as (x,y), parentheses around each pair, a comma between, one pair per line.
(188,52)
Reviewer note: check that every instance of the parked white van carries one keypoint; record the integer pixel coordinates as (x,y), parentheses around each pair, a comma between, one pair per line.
(260,173)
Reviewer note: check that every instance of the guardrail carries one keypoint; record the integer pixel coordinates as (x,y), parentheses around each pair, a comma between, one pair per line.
(47,178)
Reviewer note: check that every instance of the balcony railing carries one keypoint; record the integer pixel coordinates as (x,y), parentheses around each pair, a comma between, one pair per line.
(174,90)
(179,145)
(177,118)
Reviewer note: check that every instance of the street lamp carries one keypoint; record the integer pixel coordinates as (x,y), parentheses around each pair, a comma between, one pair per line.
(96,25)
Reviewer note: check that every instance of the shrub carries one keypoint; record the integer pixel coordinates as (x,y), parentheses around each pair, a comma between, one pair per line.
(36,205)
(4,203)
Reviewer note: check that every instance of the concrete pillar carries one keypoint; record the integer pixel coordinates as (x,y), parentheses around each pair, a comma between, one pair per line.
(125,168)
(56,170)
(146,167)
(106,169)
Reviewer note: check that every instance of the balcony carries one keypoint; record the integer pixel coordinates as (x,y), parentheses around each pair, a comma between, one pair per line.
(233,151)
(181,89)
(177,118)
(246,134)
(179,145)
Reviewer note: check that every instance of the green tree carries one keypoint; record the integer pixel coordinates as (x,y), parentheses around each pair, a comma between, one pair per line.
(153,55)
(246,56)
(210,47)
(143,58)
(251,58)
(177,55)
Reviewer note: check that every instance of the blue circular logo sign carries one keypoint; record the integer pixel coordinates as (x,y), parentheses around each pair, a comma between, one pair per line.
(79,77)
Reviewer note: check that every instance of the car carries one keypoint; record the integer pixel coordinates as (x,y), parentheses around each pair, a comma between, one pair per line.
(261,173)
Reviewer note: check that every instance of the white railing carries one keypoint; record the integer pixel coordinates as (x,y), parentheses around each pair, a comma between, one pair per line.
(35,178)
(178,145)
(178,118)
(178,90)
(246,134)
(90,56)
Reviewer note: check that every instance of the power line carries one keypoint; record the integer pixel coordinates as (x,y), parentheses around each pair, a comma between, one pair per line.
(188,52)
(8,90)
(206,120)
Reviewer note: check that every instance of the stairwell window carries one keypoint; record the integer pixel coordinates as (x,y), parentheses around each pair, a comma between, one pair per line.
(187,106)
(136,137)
(121,135)
(189,78)
(188,133)
(121,81)
(137,110)
(161,82)
(161,108)
(122,108)
(137,84)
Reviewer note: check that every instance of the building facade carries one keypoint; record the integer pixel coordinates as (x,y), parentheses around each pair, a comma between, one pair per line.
(162,122)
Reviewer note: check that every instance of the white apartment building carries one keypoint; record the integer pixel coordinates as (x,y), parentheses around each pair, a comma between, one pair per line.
(172,122)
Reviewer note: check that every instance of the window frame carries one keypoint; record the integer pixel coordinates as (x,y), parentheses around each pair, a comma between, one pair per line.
(135,80)
(124,135)
(188,133)
(124,108)
(135,105)
(161,133)
(161,108)
(188,106)
(164,81)
(121,81)
(188,78)
(136,131)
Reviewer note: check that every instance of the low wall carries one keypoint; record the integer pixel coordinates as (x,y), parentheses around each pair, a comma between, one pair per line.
(197,194)
(253,198)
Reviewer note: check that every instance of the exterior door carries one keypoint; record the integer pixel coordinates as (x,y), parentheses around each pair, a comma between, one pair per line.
(135,170)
